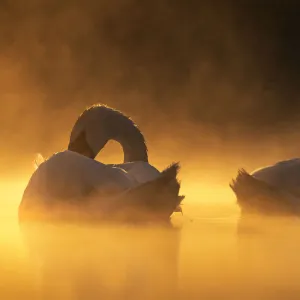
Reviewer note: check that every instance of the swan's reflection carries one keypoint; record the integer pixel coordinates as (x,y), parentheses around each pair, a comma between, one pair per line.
(108,261)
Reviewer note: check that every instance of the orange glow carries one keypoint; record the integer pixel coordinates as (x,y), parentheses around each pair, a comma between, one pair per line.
(209,86)
(205,254)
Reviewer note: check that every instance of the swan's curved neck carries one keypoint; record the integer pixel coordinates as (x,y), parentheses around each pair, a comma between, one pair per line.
(133,149)
(125,132)
(101,124)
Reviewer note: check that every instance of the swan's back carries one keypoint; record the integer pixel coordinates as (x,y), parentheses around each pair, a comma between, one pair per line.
(140,170)
(284,174)
(68,175)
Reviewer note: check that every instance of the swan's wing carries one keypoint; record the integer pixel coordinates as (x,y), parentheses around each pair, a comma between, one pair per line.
(155,199)
(141,171)
(256,195)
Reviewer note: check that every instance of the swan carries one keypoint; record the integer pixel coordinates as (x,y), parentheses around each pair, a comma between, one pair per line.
(272,190)
(71,181)
(100,123)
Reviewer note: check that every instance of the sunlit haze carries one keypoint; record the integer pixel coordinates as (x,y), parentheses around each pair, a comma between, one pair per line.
(212,86)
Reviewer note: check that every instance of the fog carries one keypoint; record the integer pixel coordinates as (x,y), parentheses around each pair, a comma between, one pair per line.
(214,86)
(201,257)
(211,76)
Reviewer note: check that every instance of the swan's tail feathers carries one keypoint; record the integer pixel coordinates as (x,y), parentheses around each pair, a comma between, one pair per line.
(254,195)
(179,207)
(39,159)
(246,186)
(156,199)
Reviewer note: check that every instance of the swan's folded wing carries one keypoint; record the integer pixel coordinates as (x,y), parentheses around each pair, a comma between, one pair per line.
(256,195)
(67,180)
(158,198)
(141,171)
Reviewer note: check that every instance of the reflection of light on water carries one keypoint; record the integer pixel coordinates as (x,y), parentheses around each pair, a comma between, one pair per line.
(211,262)
(108,260)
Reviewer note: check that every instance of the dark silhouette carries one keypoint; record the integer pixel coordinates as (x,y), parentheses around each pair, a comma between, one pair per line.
(101,124)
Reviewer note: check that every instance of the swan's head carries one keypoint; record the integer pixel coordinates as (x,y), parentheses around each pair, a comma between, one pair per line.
(89,134)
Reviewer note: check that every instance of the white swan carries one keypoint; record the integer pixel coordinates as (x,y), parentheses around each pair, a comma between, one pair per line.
(97,125)
(274,189)
(68,179)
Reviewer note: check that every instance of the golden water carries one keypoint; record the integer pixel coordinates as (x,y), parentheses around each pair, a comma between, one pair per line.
(203,260)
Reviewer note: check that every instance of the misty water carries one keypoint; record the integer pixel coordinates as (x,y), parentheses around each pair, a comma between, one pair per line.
(200,257)
(212,85)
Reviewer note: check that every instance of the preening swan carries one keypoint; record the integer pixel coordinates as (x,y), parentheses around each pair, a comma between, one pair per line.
(72,179)
(273,190)
(99,124)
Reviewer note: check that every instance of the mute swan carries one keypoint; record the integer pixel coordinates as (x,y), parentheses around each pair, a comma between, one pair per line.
(273,190)
(97,125)
(68,179)
(75,186)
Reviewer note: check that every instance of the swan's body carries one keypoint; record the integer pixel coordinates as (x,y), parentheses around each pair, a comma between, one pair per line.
(71,173)
(284,174)
(68,180)
(68,176)
(273,189)
(73,176)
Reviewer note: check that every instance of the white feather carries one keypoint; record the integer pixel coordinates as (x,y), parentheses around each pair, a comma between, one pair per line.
(39,159)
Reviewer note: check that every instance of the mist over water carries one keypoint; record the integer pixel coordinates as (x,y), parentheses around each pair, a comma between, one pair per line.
(203,257)
(214,86)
